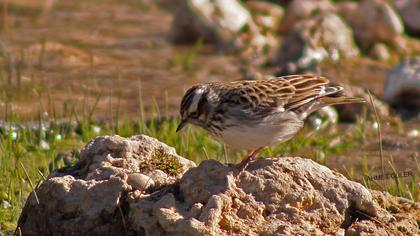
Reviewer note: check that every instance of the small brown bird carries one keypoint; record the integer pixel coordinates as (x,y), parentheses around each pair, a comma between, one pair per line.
(254,114)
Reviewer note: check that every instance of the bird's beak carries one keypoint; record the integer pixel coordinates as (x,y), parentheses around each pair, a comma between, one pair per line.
(181,125)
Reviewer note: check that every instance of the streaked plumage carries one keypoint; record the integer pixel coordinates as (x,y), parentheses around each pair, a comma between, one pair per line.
(257,113)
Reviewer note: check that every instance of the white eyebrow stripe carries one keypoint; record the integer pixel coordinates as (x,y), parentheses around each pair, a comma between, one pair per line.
(195,100)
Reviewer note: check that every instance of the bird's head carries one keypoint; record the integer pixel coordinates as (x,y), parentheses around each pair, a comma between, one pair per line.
(196,106)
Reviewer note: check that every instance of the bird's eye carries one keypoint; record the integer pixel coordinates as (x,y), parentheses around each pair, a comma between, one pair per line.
(194,113)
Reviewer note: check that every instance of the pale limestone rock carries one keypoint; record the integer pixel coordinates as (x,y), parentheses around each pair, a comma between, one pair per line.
(228,24)
(373,21)
(272,196)
(264,36)
(266,15)
(409,11)
(402,86)
(322,37)
(298,10)
(380,52)
(291,196)
(214,21)
(140,181)
(160,178)
(89,195)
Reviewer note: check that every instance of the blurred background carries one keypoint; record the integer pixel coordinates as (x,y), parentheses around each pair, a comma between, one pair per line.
(72,70)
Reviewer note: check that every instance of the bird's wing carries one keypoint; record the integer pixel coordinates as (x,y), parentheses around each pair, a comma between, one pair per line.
(314,92)
(286,92)
(293,93)
(309,88)
(300,93)
(256,96)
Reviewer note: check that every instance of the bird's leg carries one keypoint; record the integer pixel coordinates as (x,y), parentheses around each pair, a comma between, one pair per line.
(248,158)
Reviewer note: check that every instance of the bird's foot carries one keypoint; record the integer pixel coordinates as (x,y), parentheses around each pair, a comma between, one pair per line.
(244,163)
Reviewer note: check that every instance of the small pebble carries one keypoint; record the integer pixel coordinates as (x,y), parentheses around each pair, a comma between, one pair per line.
(6,204)
(320,156)
(380,52)
(13,135)
(413,133)
(335,55)
(140,181)
(96,129)
(317,123)
(331,114)
(195,210)
(159,177)
(44,145)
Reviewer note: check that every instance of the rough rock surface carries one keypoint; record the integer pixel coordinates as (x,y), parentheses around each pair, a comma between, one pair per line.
(292,196)
(298,10)
(88,197)
(321,37)
(409,11)
(402,86)
(230,25)
(373,21)
(267,15)
(214,21)
(380,52)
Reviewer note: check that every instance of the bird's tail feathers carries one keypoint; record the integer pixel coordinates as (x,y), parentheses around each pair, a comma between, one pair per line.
(326,101)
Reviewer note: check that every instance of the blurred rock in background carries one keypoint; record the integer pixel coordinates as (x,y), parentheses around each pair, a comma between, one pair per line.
(372,21)
(298,10)
(409,11)
(214,21)
(250,29)
(380,52)
(296,36)
(310,41)
(402,87)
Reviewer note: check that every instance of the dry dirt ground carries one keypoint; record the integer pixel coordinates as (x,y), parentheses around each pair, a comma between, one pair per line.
(64,53)
(119,50)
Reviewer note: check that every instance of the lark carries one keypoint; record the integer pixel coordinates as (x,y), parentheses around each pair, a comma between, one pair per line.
(253,114)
